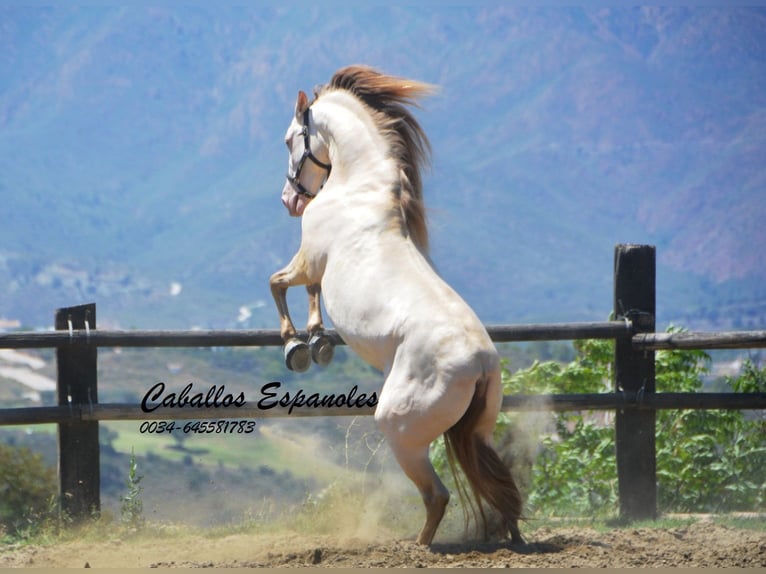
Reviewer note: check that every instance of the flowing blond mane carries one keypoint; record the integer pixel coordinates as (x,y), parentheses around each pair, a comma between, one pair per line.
(387,98)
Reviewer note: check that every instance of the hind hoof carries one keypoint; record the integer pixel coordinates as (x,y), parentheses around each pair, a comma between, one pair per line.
(516,537)
(297,356)
(322,349)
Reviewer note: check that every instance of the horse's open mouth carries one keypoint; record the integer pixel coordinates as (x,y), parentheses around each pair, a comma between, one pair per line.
(294,202)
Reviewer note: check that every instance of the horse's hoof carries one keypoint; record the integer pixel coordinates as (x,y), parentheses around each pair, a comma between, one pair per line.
(516,537)
(297,356)
(322,349)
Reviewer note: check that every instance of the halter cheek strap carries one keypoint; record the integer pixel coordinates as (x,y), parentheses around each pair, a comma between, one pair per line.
(295,180)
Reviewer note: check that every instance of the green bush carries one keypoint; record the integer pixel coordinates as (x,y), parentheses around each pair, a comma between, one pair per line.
(27,490)
(574,470)
(710,460)
(131,504)
(707,460)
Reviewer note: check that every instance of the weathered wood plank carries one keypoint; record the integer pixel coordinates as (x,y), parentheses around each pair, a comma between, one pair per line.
(511,403)
(634,372)
(560,331)
(700,340)
(271,338)
(634,401)
(39,415)
(78,449)
(498,333)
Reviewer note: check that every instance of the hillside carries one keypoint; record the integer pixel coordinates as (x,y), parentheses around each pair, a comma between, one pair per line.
(142,148)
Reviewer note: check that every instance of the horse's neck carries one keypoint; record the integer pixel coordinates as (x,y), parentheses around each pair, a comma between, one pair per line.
(358,152)
(357,203)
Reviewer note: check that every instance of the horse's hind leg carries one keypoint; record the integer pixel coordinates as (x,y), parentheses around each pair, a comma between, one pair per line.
(418,468)
(411,419)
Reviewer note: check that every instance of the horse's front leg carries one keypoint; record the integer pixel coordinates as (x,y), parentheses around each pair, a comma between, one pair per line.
(322,348)
(297,353)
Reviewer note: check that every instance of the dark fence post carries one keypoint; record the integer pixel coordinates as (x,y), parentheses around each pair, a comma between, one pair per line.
(634,298)
(79,460)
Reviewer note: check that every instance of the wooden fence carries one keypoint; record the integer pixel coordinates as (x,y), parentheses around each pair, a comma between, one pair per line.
(634,399)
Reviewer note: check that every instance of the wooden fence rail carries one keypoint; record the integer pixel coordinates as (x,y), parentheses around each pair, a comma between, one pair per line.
(271,338)
(76,340)
(511,403)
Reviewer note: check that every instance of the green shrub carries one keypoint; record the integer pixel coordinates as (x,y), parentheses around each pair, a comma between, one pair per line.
(710,460)
(574,471)
(131,504)
(27,490)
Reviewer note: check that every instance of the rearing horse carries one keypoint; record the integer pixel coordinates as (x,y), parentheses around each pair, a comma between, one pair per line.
(354,176)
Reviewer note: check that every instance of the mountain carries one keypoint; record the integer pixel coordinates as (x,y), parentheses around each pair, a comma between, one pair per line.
(141,154)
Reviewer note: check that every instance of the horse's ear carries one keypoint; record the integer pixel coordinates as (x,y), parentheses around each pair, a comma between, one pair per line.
(301,104)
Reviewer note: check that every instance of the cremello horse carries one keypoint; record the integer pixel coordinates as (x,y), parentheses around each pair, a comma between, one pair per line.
(354,176)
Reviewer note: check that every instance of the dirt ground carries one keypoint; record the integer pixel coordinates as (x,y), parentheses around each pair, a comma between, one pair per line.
(699,544)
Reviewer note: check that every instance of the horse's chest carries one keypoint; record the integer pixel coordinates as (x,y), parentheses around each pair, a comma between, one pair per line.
(349,300)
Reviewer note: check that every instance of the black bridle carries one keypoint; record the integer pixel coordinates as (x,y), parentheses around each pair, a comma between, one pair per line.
(295,180)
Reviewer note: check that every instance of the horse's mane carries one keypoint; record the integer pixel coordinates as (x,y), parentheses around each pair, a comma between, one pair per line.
(387,98)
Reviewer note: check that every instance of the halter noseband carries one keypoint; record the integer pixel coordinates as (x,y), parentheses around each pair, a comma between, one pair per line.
(295,180)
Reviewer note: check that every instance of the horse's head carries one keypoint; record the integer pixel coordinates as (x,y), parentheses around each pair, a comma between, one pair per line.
(309,162)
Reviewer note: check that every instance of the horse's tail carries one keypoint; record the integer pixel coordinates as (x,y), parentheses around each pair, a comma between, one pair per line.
(489,479)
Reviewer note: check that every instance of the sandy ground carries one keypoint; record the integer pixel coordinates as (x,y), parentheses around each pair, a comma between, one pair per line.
(700,544)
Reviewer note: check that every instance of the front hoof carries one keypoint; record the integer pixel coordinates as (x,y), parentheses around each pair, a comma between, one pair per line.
(322,349)
(297,356)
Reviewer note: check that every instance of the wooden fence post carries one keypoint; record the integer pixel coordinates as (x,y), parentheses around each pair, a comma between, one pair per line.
(78,451)
(634,299)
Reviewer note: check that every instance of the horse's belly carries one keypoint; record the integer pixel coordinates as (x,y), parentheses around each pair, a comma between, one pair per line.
(377,312)
(367,325)
(374,352)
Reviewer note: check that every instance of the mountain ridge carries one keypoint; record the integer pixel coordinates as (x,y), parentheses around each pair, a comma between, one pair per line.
(141,147)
